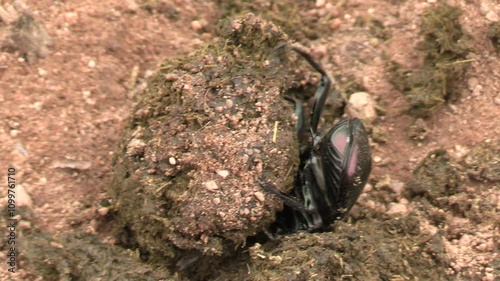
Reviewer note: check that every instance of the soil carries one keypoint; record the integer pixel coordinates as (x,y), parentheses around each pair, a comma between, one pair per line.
(72,76)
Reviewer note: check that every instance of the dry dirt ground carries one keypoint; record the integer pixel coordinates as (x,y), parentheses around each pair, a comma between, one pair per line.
(64,103)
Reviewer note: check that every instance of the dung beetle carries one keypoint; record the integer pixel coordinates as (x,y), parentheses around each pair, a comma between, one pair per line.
(333,169)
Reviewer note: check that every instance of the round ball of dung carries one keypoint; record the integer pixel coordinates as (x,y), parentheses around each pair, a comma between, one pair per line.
(206,128)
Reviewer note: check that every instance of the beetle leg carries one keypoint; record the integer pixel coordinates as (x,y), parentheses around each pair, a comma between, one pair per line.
(290,201)
(320,95)
(299,112)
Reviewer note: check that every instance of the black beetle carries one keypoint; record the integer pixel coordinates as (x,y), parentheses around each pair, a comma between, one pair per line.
(333,170)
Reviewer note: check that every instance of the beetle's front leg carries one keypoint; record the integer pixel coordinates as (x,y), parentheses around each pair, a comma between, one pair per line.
(290,201)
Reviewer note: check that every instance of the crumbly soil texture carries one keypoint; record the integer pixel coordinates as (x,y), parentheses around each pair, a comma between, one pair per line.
(138,131)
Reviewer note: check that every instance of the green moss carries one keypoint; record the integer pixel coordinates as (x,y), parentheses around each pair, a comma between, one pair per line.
(445,50)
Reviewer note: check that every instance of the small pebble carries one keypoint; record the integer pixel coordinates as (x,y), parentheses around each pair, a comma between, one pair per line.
(497,100)
(397,186)
(71,17)
(196,25)
(223,173)
(24,224)
(172,161)
(103,211)
(259,195)
(229,103)
(492,16)
(320,3)
(472,83)
(131,5)
(222,214)
(42,72)
(362,105)
(377,159)
(135,147)
(396,208)
(91,64)
(22,197)
(368,188)
(335,24)
(211,186)
(216,201)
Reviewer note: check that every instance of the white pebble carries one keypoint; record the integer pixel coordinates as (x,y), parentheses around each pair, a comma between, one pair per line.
(196,25)
(22,197)
(91,64)
(362,105)
(42,72)
(211,186)
(103,211)
(223,173)
(320,3)
(216,201)
(259,195)
(172,161)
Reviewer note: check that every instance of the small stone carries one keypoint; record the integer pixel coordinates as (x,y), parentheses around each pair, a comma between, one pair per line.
(320,3)
(14,133)
(172,161)
(91,64)
(229,103)
(497,100)
(24,224)
(472,83)
(131,5)
(22,197)
(222,214)
(196,25)
(492,16)
(171,77)
(211,186)
(377,159)
(368,188)
(362,105)
(335,24)
(103,211)
(71,18)
(396,208)
(42,72)
(216,201)
(223,173)
(135,147)
(260,196)
(397,186)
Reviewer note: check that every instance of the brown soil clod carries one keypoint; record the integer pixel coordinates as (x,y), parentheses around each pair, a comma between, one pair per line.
(218,114)
(444,62)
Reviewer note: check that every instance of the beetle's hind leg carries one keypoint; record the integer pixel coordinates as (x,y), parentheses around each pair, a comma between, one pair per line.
(290,201)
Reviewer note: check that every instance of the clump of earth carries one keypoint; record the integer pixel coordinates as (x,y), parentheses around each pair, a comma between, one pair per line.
(208,126)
